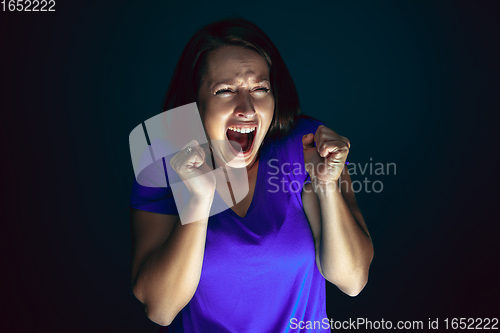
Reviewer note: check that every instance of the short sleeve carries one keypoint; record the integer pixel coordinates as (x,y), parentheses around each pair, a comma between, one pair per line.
(153,199)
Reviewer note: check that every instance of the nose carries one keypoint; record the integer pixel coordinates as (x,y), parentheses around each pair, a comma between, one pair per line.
(244,106)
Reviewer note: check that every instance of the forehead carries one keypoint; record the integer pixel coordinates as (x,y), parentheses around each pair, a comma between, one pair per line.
(236,62)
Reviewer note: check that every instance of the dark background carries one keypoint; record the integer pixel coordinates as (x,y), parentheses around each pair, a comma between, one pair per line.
(411,83)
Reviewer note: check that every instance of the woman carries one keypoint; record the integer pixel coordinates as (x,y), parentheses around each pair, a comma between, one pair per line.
(261,265)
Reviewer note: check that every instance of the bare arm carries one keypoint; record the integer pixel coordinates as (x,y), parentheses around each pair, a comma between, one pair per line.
(167,255)
(166,261)
(344,249)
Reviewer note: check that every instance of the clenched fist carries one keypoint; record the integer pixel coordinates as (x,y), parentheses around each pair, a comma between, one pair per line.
(325,161)
(193,170)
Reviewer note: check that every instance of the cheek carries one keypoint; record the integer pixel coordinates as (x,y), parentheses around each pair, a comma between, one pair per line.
(269,110)
(212,121)
(209,126)
(205,119)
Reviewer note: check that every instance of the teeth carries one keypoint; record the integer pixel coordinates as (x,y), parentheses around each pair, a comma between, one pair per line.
(242,130)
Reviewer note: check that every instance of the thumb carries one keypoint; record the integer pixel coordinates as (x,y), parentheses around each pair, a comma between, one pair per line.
(308,141)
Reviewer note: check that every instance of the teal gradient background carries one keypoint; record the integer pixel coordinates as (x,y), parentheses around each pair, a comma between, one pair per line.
(411,83)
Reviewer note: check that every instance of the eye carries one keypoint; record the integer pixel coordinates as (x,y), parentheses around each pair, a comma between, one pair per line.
(261,90)
(224,91)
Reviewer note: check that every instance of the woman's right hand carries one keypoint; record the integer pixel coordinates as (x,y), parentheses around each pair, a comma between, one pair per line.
(194,171)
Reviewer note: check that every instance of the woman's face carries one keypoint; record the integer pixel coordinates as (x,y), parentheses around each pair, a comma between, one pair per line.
(236,103)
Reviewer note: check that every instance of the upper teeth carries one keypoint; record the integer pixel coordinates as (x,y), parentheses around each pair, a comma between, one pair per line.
(242,130)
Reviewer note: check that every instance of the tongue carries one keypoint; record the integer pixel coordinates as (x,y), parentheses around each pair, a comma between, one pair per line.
(241,138)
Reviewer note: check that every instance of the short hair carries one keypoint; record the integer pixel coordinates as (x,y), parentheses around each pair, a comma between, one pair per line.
(192,67)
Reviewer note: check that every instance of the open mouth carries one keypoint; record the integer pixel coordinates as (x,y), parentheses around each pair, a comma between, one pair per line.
(244,136)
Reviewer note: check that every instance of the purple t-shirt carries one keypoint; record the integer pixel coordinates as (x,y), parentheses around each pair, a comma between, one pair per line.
(259,272)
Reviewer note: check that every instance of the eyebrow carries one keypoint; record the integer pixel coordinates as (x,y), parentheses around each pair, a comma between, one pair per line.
(233,83)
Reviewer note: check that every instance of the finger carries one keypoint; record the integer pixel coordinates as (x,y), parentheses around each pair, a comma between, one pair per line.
(324,141)
(346,140)
(196,157)
(190,163)
(323,134)
(332,147)
(179,157)
(308,141)
(201,151)
(192,160)
(196,147)
(318,134)
(196,160)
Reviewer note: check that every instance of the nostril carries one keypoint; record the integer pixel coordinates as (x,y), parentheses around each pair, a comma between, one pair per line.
(246,114)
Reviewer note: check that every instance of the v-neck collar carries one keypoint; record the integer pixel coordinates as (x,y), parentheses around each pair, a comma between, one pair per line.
(260,170)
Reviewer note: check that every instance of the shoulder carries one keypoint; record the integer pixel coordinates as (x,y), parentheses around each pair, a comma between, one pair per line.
(292,143)
(305,124)
(305,120)
(289,150)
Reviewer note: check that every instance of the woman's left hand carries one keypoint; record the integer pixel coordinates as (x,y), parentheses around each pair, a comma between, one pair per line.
(325,162)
